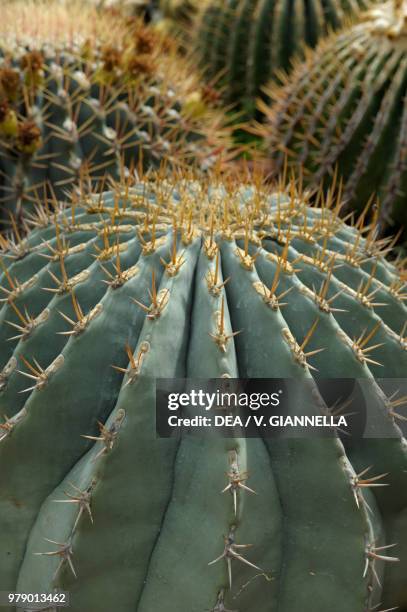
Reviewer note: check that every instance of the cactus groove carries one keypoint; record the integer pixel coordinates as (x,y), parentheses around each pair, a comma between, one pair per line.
(188,279)
(345,109)
(246,42)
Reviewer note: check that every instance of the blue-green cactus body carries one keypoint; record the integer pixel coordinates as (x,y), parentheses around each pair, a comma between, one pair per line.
(191,282)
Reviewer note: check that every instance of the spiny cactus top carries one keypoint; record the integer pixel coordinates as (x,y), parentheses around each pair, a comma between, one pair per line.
(91,105)
(185,279)
(245,42)
(345,108)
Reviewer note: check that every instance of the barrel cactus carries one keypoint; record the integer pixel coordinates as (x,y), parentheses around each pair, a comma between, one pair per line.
(344,109)
(184,278)
(243,43)
(83,107)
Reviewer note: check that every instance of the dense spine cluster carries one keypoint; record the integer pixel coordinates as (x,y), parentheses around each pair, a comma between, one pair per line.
(188,279)
(244,43)
(344,110)
(79,108)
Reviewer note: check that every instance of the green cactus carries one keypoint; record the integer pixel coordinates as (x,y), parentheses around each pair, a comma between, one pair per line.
(344,109)
(84,108)
(191,279)
(244,43)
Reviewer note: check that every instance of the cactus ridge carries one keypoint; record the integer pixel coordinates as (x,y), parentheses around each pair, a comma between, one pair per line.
(83,108)
(344,110)
(245,43)
(202,280)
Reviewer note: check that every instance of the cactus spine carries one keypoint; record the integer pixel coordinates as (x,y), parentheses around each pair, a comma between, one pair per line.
(191,279)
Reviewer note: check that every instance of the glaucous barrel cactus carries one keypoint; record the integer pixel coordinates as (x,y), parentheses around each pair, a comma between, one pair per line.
(87,95)
(187,279)
(244,43)
(345,109)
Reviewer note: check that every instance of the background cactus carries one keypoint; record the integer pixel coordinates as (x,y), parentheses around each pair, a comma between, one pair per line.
(345,109)
(174,18)
(187,279)
(179,13)
(248,41)
(83,107)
